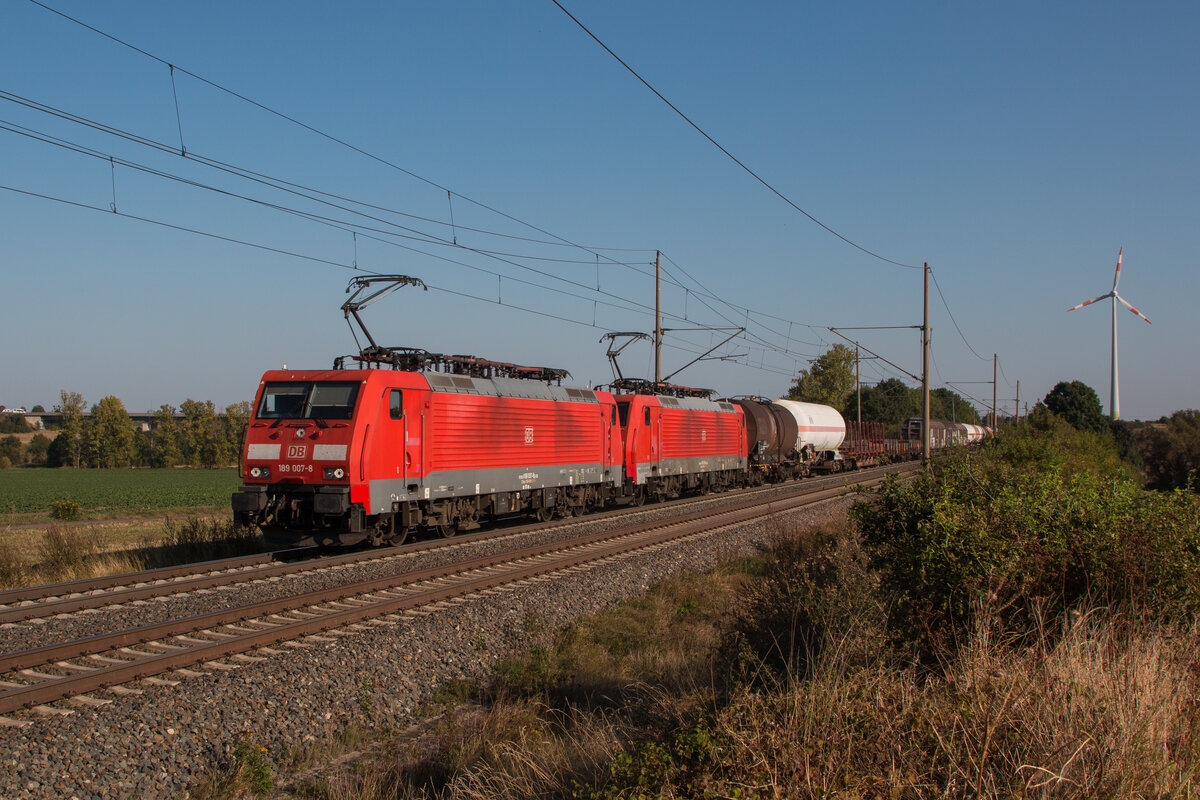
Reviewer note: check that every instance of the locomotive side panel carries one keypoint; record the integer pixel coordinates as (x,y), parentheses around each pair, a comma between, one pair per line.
(669,436)
(699,439)
(481,444)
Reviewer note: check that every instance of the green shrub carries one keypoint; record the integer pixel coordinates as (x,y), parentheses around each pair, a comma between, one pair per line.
(65,510)
(815,590)
(252,767)
(981,532)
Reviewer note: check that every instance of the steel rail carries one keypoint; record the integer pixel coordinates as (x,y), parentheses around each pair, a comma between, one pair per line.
(569,554)
(82,585)
(91,593)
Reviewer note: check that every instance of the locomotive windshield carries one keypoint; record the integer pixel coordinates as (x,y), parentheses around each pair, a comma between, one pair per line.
(308,400)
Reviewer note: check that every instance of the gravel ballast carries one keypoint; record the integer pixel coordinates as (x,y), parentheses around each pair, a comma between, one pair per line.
(375,676)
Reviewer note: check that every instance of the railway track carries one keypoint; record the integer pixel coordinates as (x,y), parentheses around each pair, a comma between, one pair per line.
(216,641)
(49,600)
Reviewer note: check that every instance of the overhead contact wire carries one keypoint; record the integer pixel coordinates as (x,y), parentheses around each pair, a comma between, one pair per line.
(717,145)
(310,128)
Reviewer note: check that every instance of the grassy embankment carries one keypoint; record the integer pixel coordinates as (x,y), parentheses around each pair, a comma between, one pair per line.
(114,521)
(1020,623)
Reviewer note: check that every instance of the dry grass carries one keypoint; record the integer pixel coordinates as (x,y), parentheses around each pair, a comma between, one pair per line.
(63,552)
(60,553)
(1109,709)
(516,749)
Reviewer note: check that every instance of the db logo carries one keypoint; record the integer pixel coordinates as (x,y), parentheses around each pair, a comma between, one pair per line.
(529,436)
(295,451)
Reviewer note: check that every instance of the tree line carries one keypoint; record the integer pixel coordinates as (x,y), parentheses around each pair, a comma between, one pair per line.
(194,434)
(1165,452)
(831,381)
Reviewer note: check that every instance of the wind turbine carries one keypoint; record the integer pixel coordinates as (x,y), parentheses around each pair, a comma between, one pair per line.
(1114,405)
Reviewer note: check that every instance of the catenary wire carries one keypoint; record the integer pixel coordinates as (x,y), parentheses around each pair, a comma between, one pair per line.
(310,128)
(627,307)
(562,240)
(340,265)
(730,155)
(287,186)
(339,224)
(243,173)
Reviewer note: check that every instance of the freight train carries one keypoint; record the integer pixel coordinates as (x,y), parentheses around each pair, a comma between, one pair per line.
(404,439)
(944,434)
(415,440)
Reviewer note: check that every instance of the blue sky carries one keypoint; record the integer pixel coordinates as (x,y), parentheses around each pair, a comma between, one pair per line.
(1014,147)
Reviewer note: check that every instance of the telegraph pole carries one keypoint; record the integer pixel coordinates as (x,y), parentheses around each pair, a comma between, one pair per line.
(925,375)
(858,383)
(658,316)
(995,418)
(1018,407)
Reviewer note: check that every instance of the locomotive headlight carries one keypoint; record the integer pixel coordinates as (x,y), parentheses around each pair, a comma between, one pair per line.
(260,472)
(334,473)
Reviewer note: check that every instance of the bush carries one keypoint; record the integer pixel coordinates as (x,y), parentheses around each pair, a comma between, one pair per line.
(980,532)
(64,550)
(1172,451)
(815,591)
(199,540)
(65,510)
(13,423)
(37,448)
(10,450)
(1049,441)
(12,565)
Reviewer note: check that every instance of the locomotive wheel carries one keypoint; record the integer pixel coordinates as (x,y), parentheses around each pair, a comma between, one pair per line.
(543,514)
(398,538)
(447,530)
(639,496)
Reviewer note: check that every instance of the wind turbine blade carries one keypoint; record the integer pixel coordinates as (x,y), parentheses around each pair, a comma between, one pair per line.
(1131,308)
(1117,275)
(1089,302)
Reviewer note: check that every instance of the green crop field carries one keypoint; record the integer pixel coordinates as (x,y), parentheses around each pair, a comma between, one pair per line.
(115,492)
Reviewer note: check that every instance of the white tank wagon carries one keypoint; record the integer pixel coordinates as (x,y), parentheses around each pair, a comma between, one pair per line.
(821,431)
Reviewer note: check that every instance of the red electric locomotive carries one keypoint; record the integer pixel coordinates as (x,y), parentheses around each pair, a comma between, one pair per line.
(677,440)
(346,455)
(411,439)
(340,456)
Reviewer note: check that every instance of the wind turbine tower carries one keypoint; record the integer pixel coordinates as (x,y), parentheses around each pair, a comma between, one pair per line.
(1114,403)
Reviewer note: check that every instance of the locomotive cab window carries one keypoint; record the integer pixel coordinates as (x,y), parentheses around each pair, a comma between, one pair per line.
(308,400)
(395,404)
(647,415)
